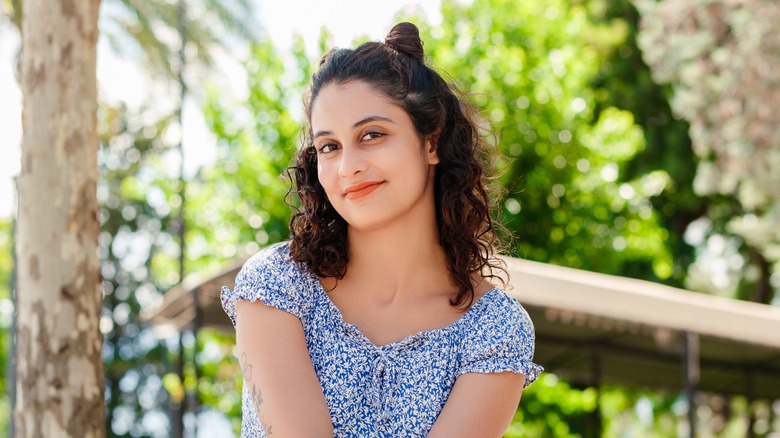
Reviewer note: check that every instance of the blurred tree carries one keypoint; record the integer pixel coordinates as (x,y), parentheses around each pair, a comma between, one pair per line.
(151,28)
(136,193)
(234,207)
(624,81)
(586,186)
(722,59)
(10,10)
(240,200)
(237,204)
(59,367)
(147,29)
(568,197)
(572,194)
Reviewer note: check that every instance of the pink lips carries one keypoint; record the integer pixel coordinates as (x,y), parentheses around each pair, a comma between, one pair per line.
(357,191)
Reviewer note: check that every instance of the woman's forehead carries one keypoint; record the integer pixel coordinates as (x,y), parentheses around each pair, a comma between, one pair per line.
(338,105)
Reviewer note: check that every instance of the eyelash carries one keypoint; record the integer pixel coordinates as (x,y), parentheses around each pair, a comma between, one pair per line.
(374,135)
(322,150)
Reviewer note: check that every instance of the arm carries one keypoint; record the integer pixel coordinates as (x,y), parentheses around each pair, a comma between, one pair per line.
(278,372)
(479,405)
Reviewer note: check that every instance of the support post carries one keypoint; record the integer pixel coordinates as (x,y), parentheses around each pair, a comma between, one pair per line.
(595,369)
(179,407)
(196,323)
(691,366)
(749,395)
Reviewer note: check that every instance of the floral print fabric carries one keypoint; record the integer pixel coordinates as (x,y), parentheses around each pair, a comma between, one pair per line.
(393,390)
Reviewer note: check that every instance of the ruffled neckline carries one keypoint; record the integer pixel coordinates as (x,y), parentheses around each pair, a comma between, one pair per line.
(410,340)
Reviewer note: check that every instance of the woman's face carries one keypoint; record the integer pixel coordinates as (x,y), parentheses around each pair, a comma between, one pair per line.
(370,159)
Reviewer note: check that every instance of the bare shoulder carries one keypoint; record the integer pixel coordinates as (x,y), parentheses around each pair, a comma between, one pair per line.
(482,287)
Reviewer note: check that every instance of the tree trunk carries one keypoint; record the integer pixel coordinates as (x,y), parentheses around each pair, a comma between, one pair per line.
(59,363)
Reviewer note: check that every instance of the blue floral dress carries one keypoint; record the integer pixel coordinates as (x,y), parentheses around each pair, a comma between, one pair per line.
(393,390)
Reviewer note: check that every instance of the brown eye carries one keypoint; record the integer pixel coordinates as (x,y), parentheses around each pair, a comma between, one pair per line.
(371,135)
(327,148)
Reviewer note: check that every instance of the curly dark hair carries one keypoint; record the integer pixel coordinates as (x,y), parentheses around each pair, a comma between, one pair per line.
(397,68)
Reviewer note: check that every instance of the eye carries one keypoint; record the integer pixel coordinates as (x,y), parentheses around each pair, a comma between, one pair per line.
(327,148)
(371,135)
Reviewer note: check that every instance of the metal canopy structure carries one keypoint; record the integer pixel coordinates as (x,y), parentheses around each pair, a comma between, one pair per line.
(599,328)
(593,329)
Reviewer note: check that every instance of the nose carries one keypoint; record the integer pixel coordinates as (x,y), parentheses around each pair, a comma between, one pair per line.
(352,161)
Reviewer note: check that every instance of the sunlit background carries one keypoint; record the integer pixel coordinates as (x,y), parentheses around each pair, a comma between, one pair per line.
(123,79)
(640,154)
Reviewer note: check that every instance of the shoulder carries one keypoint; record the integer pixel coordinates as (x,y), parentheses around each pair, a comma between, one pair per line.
(272,263)
(274,257)
(500,320)
(503,311)
(500,338)
(274,278)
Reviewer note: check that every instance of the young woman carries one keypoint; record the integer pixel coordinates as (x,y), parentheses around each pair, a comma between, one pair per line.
(378,317)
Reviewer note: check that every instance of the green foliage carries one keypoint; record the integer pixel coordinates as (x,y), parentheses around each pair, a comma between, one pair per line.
(553,408)
(236,206)
(232,208)
(6,308)
(137,225)
(144,30)
(719,58)
(569,198)
(595,173)
(625,81)
(221,375)
(572,193)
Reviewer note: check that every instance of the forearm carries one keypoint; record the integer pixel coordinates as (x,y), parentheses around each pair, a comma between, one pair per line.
(480,405)
(279,375)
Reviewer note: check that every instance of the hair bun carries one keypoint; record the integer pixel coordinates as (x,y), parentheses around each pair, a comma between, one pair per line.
(405,37)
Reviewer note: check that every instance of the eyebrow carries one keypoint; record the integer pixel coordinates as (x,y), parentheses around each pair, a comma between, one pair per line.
(367,120)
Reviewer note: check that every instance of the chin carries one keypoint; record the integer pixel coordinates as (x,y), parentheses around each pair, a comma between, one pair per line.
(365,226)
(368,221)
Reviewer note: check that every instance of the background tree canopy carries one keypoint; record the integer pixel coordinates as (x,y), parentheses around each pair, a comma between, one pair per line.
(595,172)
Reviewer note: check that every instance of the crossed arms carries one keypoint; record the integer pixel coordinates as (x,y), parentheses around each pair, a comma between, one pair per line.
(281,380)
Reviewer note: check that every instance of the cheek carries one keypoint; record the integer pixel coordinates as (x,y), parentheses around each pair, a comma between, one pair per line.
(324,177)
(322,171)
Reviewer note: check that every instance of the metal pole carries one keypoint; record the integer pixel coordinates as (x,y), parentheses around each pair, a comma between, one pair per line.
(180,407)
(195,327)
(691,365)
(595,369)
(749,391)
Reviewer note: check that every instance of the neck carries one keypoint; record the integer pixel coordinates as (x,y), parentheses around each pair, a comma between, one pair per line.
(401,261)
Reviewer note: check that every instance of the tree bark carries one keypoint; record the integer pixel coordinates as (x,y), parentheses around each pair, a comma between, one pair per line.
(59,363)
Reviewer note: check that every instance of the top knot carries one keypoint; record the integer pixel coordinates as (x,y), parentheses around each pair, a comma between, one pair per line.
(405,37)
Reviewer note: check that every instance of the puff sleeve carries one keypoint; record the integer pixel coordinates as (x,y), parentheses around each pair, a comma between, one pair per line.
(502,340)
(274,279)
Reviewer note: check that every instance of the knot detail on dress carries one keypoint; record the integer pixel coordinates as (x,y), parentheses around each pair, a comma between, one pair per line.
(383,381)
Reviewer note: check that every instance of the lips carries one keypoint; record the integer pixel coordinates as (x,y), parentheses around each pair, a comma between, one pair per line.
(357,191)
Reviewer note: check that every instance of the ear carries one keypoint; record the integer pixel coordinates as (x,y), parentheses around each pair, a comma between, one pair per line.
(431,153)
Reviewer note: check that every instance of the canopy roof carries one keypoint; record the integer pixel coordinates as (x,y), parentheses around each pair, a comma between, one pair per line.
(618,330)
(594,328)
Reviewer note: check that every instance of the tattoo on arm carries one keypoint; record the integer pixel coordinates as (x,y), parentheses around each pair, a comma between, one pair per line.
(255,394)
